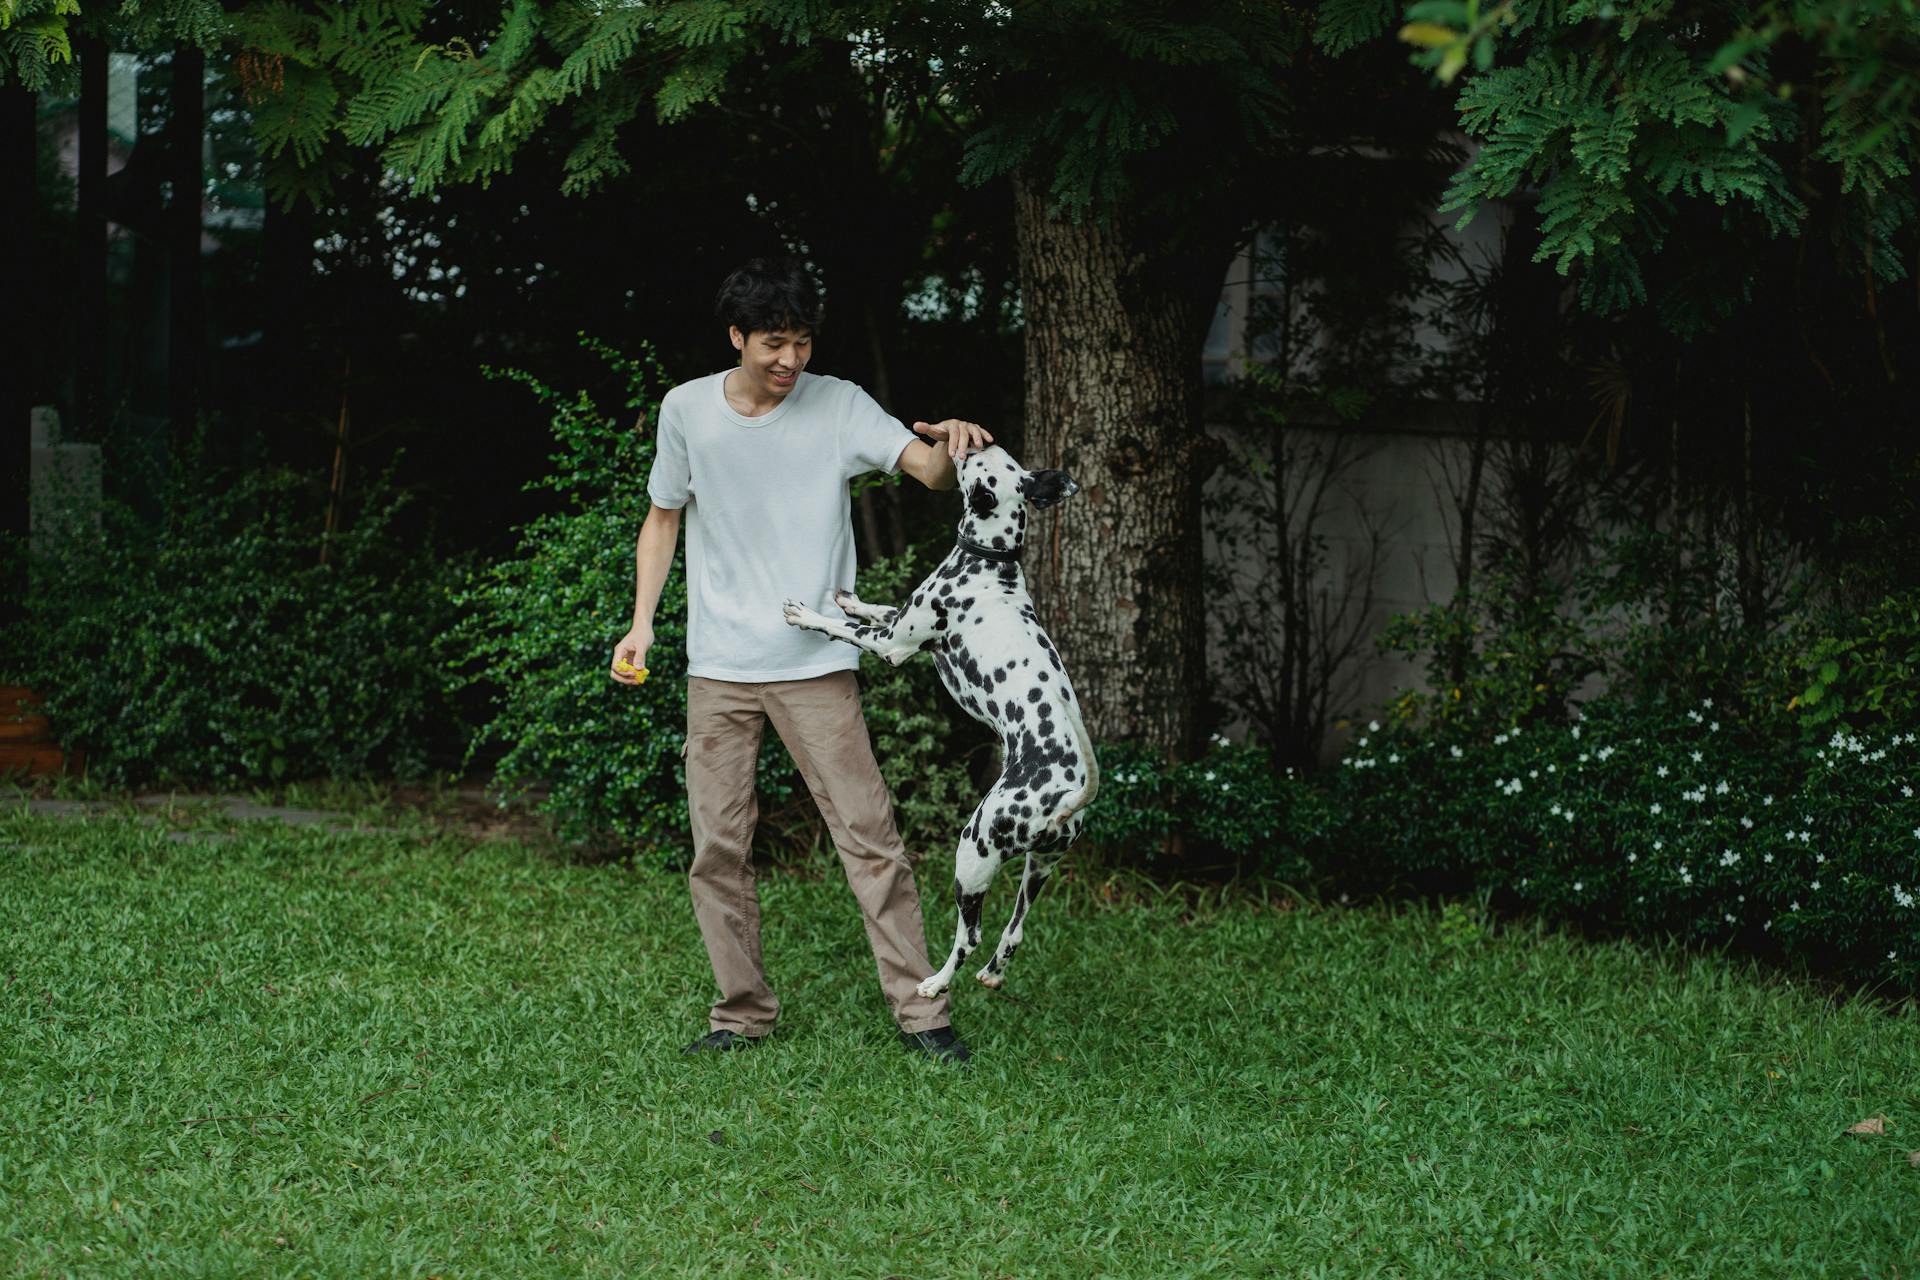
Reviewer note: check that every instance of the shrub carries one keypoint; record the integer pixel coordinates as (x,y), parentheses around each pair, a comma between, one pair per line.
(540,627)
(211,646)
(1230,809)
(1656,817)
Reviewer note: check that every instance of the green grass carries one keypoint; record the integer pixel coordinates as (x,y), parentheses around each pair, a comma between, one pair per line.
(313,1053)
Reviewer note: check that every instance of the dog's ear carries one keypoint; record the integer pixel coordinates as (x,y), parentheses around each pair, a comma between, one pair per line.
(980,499)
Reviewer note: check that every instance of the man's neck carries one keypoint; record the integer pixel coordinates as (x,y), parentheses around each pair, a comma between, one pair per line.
(738,396)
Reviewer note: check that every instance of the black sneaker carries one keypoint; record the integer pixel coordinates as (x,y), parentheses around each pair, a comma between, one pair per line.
(940,1044)
(718,1041)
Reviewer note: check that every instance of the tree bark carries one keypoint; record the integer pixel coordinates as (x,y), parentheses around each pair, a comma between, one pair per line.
(1113,396)
(19,132)
(186,319)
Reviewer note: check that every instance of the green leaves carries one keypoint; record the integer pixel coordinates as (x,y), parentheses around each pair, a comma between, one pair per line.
(213,648)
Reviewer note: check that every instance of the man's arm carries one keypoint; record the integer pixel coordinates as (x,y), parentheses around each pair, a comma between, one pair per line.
(933,464)
(652,558)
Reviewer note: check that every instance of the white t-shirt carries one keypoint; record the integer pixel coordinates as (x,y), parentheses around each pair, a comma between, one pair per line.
(769,517)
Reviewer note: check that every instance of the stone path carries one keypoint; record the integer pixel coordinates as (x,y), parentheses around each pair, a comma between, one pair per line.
(473,812)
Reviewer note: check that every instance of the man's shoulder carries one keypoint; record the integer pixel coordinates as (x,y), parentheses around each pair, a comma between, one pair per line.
(826,388)
(690,391)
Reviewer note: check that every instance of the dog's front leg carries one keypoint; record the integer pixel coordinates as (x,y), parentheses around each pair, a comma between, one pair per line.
(896,641)
(860,611)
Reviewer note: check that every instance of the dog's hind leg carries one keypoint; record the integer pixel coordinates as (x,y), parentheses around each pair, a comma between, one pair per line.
(974,868)
(1032,879)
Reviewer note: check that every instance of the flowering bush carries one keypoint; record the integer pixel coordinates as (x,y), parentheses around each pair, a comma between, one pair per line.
(1231,805)
(1658,817)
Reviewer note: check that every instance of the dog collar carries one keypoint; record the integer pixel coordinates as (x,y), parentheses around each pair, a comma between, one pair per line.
(988,553)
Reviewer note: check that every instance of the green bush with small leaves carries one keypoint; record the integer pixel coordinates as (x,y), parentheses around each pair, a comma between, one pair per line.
(210,646)
(603,759)
(1230,809)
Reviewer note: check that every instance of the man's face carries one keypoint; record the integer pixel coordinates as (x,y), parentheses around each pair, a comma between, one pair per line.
(772,359)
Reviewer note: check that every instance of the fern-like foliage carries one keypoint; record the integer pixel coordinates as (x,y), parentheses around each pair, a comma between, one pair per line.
(1618,119)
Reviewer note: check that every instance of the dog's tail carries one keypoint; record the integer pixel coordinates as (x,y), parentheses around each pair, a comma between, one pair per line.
(1083,797)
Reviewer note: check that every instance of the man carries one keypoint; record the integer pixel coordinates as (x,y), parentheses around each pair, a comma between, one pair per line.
(760,456)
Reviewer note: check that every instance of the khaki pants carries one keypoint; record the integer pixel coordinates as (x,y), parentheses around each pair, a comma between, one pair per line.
(819,720)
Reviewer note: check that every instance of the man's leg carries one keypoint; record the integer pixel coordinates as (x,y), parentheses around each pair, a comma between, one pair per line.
(820,721)
(724,725)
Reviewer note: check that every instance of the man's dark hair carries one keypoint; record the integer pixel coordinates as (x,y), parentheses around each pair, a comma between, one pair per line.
(765,294)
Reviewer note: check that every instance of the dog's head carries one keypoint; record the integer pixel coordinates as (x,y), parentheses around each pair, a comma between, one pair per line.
(997,492)
(992,481)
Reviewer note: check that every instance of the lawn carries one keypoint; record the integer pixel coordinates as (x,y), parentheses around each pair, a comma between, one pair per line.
(320,1053)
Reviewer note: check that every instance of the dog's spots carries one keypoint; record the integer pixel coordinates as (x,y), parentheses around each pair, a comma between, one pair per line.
(1033,694)
(980,500)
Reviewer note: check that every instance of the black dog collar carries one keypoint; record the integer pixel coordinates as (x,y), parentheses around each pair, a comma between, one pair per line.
(988,553)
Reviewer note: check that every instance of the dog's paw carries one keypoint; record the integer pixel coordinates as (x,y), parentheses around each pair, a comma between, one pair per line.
(844,597)
(932,987)
(797,614)
(989,979)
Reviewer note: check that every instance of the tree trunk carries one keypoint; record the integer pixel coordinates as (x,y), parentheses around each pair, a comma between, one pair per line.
(19,132)
(1113,397)
(186,319)
(88,401)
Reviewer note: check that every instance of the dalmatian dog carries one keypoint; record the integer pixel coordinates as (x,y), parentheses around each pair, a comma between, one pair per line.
(973,614)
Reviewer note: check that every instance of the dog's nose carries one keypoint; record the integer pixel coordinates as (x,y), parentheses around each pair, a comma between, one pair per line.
(1070,489)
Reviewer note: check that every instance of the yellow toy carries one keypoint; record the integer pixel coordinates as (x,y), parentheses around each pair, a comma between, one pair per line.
(626,668)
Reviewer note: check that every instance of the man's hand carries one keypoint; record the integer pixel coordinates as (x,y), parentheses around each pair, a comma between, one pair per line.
(962,438)
(632,650)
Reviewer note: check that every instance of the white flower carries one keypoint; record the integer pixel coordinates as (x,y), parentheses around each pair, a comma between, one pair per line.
(1658,845)
(1226,786)
(1209,775)
(1907,792)
(1533,773)
(1815,886)
(1714,727)
(1394,758)
(1707,703)
(1820,858)
(1766,799)
(1767,926)
(1721,788)
(1578,886)
(1661,772)
(1456,752)
(1568,815)
(1633,857)
(1766,857)
(1515,731)
(1576,733)
(1653,808)
(1794,905)
(1730,919)
(1806,837)
(1373,726)
(1694,716)
(1554,809)
(1746,822)
(1890,955)
(1728,858)
(1549,768)
(1696,757)
(1583,757)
